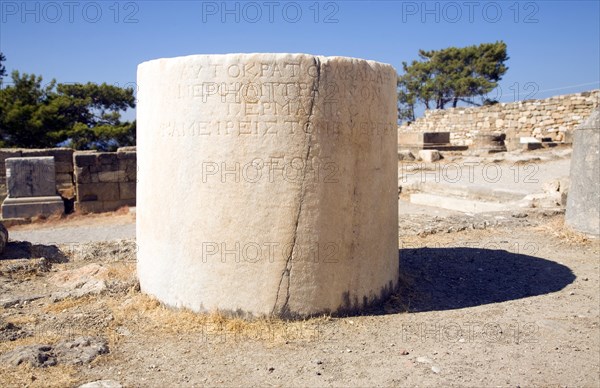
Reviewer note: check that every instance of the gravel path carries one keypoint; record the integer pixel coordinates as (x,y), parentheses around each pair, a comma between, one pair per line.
(49,235)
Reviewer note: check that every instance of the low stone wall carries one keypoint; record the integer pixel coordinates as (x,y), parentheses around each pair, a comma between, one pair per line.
(105,181)
(63,162)
(523,118)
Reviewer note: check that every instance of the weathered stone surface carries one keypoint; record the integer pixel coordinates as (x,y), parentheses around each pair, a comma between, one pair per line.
(127,190)
(32,207)
(320,234)
(488,143)
(429,156)
(34,355)
(405,155)
(31,177)
(98,192)
(84,158)
(3,237)
(105,181)
(81,350)
(76,278)
(423,140)
(63,158)
(583,202)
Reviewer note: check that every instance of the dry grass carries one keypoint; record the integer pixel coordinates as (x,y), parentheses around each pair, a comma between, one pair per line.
(150,317)
(69,303)
(121,271)
(22,319)
(557,227)
(41,337)
(28,376)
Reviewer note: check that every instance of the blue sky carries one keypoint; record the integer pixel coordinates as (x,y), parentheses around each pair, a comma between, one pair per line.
(554,46)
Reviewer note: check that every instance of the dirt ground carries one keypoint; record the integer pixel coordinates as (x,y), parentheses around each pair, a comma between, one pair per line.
(514,303)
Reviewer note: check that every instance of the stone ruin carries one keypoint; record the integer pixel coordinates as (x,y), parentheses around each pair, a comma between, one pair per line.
(583,202)
(282,176)
(31,186)
(530,123)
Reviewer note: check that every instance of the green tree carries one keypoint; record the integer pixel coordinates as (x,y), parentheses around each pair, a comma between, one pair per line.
(451,75)
(94,111)
(2,67)
(83,116)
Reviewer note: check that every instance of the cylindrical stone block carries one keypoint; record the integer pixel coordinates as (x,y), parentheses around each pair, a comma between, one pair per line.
(583,201)
(267,183)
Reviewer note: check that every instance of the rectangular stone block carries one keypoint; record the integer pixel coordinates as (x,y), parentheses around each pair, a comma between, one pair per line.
(6,153)
(63,167)
(107,158)
(82,175)
(32,207)
(31,177)
(423,138)
(84,159)
(64,179)
(89,207)
(127,165)
(97,192)
(126,155)
(108,166)
(127,190)
(30,153)
(112,176)
(436,137)
(62,155)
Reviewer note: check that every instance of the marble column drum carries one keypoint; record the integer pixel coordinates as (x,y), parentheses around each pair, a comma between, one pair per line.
(267,183)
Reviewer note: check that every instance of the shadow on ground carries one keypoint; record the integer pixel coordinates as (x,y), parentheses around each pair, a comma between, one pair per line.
(15,250)
(452,278)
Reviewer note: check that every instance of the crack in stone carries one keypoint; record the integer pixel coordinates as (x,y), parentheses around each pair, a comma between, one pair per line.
(284,310)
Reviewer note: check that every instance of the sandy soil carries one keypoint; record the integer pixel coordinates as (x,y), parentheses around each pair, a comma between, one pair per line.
(515,304)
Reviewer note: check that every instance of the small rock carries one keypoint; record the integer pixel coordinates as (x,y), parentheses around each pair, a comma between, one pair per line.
(271,369)
(429,156)
(121,330)
(405,155)
(34,355)
(424,360)
(519,215)
(435,369)
(11,332)
(10,302)
(87,280)
(404,353)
